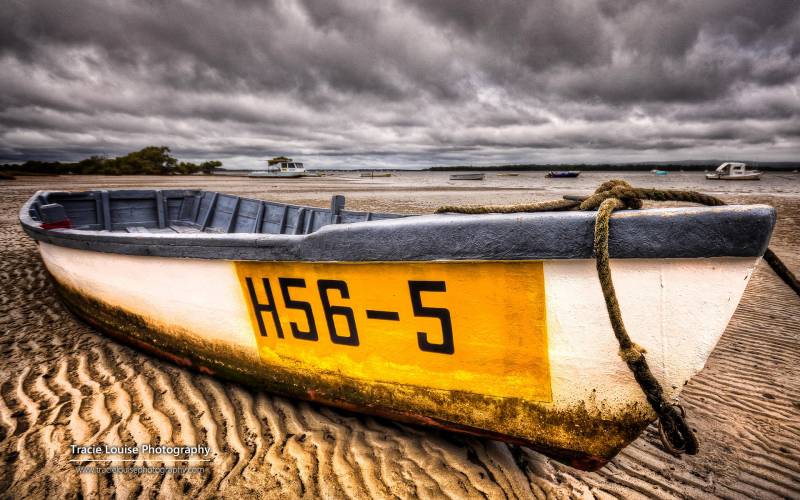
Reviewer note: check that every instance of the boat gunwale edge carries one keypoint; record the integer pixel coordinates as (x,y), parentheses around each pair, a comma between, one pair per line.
(677,232)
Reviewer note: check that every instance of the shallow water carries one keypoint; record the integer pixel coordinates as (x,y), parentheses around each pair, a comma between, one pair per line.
(63,383)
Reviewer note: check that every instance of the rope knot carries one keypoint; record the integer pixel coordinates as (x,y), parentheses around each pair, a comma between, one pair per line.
(616,189)
(633,353)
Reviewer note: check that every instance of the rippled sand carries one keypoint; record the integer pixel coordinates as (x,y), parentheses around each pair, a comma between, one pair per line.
(62,383)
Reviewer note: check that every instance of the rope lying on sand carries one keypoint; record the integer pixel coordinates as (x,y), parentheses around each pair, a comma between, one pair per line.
(612,195)
(781,270)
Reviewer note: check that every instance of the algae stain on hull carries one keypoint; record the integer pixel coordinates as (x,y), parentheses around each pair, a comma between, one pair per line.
(573,435)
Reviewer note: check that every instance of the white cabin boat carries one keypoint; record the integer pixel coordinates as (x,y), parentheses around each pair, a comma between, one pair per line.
(734,171)
(281,167)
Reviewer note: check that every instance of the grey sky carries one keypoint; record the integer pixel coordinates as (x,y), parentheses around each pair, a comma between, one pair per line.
(401,83)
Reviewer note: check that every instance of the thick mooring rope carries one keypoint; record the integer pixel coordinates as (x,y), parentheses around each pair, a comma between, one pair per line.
(781,270)
(675,433)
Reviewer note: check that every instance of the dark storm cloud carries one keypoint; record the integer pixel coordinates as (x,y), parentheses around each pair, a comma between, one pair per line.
(401,82)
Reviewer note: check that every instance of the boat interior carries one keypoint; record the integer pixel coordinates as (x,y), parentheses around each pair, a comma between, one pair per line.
(188,211)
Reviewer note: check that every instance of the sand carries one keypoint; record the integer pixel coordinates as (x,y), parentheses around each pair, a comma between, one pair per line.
(63,383)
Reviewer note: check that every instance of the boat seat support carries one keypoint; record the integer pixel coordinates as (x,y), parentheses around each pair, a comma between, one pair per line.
(337,205)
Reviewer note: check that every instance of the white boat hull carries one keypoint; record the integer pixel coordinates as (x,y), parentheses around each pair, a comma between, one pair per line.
(277,175)
(676,309)
(745,177)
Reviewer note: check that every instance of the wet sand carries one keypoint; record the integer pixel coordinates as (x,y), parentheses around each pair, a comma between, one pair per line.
(63,383)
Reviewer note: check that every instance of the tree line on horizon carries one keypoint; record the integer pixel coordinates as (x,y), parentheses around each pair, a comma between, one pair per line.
(151,160)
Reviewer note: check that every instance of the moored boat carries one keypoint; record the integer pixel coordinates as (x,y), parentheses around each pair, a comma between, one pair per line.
(734,171)
(281,167)
(467,177)
(563,173)
(486,324)
(376,174)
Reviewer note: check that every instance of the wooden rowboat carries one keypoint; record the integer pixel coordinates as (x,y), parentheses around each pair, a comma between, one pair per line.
(492,325)
(376,174)
(563,173)
(467,177)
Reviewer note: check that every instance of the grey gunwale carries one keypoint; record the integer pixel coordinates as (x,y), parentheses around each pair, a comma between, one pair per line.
(209,225)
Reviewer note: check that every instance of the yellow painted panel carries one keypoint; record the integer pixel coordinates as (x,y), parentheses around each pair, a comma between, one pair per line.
(472,326)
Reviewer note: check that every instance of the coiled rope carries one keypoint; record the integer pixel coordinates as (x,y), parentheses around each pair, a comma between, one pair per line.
(612,195)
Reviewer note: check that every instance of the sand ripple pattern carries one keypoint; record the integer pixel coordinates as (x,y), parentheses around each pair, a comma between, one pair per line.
(61,383)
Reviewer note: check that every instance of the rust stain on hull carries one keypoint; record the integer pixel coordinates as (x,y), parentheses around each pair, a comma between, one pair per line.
(575,436)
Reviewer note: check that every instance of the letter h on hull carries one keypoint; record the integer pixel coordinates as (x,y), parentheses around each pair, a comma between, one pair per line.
(260,308)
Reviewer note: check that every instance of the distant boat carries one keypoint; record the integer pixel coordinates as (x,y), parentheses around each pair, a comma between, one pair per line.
(281,167)
(563,173)
(659,172)
(734,171)
(467,177)
(376,174)
(507,174)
